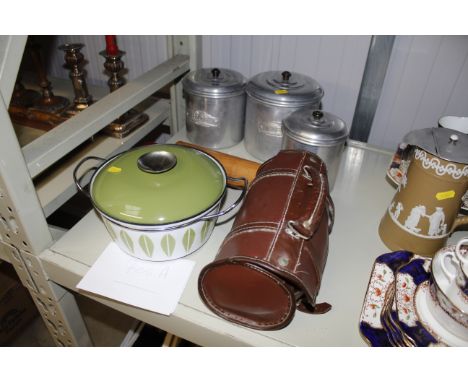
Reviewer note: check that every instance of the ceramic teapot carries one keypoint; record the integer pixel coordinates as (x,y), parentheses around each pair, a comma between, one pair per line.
(424,210)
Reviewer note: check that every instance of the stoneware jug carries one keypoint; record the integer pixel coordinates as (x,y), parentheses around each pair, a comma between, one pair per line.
(424,210)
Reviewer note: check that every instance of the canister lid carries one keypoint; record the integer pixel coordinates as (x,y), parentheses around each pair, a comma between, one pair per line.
(214,82)
(284,88)
(157,185)
(447,144)
(317,127)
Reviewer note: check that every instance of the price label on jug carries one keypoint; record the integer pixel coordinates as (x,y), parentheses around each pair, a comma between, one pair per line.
(445,195)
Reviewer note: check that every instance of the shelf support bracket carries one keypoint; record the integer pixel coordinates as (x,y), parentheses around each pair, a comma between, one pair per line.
(55,304)
(25,234)
(191,46)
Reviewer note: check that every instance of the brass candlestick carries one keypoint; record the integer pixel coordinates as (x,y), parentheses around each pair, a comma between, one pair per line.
(49,102)
(132,119)
(23,97)
(114,66)
(74,60)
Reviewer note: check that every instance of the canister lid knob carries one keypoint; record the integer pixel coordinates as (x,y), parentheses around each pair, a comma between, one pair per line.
(453,138)
(215,72)
(317,115)
(286,76)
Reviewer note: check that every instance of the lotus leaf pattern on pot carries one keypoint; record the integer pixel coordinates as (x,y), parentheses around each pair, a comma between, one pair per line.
(146,245)
(188,239)
(127,240)
(168,244)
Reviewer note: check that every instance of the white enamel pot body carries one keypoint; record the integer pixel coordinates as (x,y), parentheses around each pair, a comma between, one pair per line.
(149,212)
(167,243)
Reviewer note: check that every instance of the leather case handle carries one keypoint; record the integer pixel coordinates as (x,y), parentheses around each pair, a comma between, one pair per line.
(305,229)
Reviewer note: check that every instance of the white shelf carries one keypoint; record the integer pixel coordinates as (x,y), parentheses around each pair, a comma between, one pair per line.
(57,187)
(360,195)
(47,149)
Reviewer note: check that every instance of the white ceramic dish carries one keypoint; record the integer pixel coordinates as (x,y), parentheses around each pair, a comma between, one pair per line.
(430,314)
(455,123)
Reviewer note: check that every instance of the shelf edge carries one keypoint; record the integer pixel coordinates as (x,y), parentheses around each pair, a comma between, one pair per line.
(157,113)
(49,148)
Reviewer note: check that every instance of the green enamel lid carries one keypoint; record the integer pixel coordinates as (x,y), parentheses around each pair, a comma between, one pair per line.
(158,184)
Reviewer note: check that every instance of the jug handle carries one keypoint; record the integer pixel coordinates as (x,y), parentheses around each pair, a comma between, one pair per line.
(460,220)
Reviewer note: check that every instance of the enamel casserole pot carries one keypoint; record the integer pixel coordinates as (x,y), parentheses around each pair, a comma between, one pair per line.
(158,202)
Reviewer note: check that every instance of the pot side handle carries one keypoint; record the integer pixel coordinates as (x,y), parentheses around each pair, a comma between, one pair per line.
(77,179)
(233,205)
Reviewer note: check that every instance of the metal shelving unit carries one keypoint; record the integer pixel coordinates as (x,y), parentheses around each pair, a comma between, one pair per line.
(26,202)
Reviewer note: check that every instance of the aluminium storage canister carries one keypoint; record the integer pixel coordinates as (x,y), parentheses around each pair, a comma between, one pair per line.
(215,107)
(319,132)
(271,97)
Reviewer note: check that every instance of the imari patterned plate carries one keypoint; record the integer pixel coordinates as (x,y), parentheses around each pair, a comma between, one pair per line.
(383,275)
(413,307)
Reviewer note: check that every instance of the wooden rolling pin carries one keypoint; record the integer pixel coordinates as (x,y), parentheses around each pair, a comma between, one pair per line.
(235,167)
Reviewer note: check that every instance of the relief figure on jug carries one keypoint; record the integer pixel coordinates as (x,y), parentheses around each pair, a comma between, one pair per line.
(414,217)
(437,224)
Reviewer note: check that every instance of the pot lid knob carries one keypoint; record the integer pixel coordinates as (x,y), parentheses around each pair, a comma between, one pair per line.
(317,115)
(157,162)
(286,76)
(215,72)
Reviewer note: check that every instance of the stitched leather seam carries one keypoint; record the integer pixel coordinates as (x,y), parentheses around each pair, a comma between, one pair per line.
(253,224)
(240,318)
(295,277)
(278,169)
(318,199)
(317,274)
(234,234)
(269,175)
(231,235)
(299,257)
(316,271)
(281,221)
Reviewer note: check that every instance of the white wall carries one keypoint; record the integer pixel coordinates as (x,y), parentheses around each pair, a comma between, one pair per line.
(142,54)
(336,62)
(427,78)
